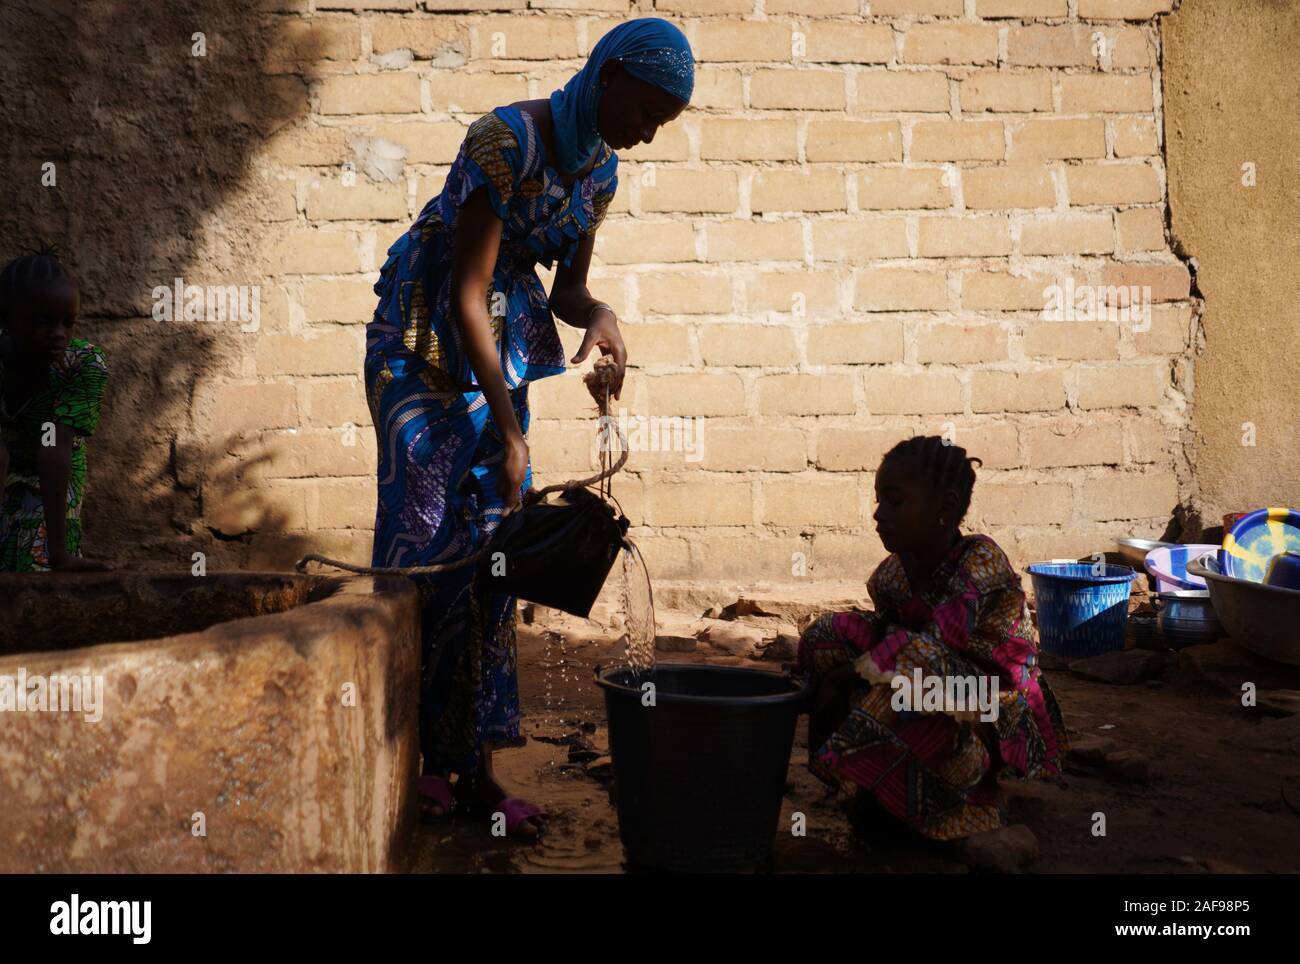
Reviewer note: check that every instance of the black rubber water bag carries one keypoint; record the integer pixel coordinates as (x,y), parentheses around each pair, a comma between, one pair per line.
(556,550)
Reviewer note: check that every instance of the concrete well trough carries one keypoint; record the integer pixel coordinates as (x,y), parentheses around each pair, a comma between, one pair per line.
(247,721)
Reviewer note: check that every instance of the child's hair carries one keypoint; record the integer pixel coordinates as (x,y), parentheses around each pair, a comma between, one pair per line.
(25,274)
(944,464)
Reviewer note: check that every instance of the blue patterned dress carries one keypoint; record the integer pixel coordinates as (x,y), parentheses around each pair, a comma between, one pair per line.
(440,451)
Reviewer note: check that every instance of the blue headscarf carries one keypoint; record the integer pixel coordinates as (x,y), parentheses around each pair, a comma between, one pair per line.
(650,49)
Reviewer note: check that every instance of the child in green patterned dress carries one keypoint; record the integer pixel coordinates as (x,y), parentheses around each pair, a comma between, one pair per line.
(51,389)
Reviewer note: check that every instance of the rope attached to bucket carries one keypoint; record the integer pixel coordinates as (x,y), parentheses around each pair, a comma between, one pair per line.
(598,382)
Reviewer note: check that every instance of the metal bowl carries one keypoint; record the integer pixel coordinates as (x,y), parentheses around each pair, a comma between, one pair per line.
(1135,551)
(1263,619)
(1186,617)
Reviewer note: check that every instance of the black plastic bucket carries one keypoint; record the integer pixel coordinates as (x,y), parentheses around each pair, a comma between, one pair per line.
(699,775)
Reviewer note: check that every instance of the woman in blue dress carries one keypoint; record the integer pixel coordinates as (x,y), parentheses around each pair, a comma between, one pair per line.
(462,327)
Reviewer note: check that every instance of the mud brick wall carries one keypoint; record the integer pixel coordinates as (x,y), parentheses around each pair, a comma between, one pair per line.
(1235,209)
(843,242)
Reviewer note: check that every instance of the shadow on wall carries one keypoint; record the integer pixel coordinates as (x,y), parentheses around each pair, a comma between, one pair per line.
(148,130)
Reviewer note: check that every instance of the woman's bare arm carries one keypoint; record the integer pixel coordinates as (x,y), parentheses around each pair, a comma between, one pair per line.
(570,300)
(573,304)
(478,239)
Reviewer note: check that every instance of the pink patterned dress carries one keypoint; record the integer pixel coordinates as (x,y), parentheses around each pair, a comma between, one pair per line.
(936,769)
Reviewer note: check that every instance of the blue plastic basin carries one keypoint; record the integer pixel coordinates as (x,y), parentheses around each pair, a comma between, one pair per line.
(1082,607)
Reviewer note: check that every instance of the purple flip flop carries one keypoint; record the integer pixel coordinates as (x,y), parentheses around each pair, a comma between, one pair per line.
(437,790)
(517,810)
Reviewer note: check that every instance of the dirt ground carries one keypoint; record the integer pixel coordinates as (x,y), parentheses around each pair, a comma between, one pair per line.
(1223,793)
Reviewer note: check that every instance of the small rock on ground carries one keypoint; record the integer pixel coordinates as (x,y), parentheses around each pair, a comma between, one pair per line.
(1128,766)
(1004,851)
(1277,736)
(1030,800)
(734,638)
(1225,666)
(1052,662)
(1121,668)
(676,632)
(783,648)
(674,643)
(1090,750)
(581,751)
(799,605)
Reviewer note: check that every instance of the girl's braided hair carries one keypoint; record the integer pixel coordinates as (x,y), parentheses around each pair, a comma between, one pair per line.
(25,274)
(945,465)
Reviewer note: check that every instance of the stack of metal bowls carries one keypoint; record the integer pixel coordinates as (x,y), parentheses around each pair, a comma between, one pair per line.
(1185,617)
